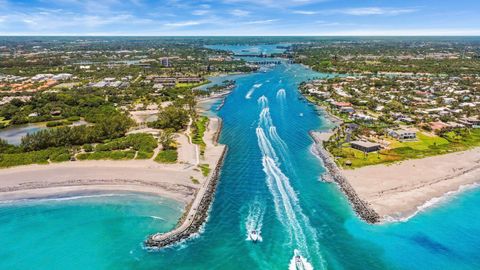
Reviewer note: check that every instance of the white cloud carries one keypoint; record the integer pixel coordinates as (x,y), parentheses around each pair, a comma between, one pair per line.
(183,24)
(240,12)
(304,12)
(200,12)
(366,11)
(261,21)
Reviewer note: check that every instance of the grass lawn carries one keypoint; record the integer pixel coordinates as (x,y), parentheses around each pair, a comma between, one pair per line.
(425,146)
(197,133)
(167,156)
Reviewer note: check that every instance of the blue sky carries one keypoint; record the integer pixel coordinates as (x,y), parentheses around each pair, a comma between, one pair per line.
(239,17)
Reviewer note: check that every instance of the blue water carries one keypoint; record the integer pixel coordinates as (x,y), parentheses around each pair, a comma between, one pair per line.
(13,135)
(270,182)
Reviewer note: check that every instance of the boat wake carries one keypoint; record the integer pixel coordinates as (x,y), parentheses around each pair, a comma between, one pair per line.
(287,207)
(263,101)
(250,92)
(299,263)
(281,94)
(254,221)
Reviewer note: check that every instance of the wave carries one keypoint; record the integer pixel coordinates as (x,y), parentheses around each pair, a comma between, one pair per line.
(250,92)
(433,202)
(63,198)
(155,217)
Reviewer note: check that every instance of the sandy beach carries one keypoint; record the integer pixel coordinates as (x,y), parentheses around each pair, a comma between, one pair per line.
(168,180)
(399,190)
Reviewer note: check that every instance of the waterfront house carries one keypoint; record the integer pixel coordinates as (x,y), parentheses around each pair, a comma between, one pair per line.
(365,146)
(403,134)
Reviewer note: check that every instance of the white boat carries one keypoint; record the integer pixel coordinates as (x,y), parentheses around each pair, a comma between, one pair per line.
(254,236)
(299,261)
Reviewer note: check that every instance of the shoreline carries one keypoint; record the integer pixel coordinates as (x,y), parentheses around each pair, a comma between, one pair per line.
(399,191)
(333,173)
(197,211)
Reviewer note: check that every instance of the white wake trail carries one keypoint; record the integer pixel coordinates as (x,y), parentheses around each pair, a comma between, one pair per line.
(250,92)
(281,94)
(263,101)
(265,118)
(265,145)
(254,220)
(276,139)
(285,198)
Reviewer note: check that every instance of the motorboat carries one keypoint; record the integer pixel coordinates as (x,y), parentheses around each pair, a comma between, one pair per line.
(299,263)
(254,236)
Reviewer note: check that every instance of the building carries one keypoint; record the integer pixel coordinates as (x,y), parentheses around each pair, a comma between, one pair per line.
(403,134)
(165,62)
(364,146)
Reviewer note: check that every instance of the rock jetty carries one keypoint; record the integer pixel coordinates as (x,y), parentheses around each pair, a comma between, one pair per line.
(334,174)
(197,212)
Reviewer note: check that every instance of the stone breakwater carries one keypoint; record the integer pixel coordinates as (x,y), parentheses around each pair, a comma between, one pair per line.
(197,212)
(334,174)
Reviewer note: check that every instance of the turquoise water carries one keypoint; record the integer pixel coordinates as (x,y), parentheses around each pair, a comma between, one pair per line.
(270,182)
(95,231)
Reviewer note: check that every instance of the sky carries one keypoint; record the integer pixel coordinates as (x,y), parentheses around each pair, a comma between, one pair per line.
(239,17)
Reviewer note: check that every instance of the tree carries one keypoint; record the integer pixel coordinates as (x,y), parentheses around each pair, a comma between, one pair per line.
(165,137)
(171,117)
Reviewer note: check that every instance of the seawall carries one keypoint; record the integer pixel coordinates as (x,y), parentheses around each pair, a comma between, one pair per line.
(197,213)
(333,173)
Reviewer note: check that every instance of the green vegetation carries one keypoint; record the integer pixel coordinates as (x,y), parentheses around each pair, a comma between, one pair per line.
(109,126)
(141,142)
(34,157)
(171,117)
(194,180)
(167,156)
(113,155)
(205,168)
(198,130)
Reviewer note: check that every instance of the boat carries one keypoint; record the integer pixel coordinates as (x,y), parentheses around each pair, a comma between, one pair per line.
(299,263)
(301,114)
(253,235)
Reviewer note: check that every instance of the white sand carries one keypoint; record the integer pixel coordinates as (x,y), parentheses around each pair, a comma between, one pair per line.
(170,180)
(400,189)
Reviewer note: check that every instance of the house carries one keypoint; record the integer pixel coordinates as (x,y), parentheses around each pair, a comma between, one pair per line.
(403,134)
(342,104)
(437,125)
(347,109)
(471,122)
(364,146)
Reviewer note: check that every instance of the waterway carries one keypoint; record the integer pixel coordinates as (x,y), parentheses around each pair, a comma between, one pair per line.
(270,182)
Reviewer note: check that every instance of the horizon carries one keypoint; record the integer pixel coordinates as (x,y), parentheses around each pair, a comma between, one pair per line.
(241,17)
